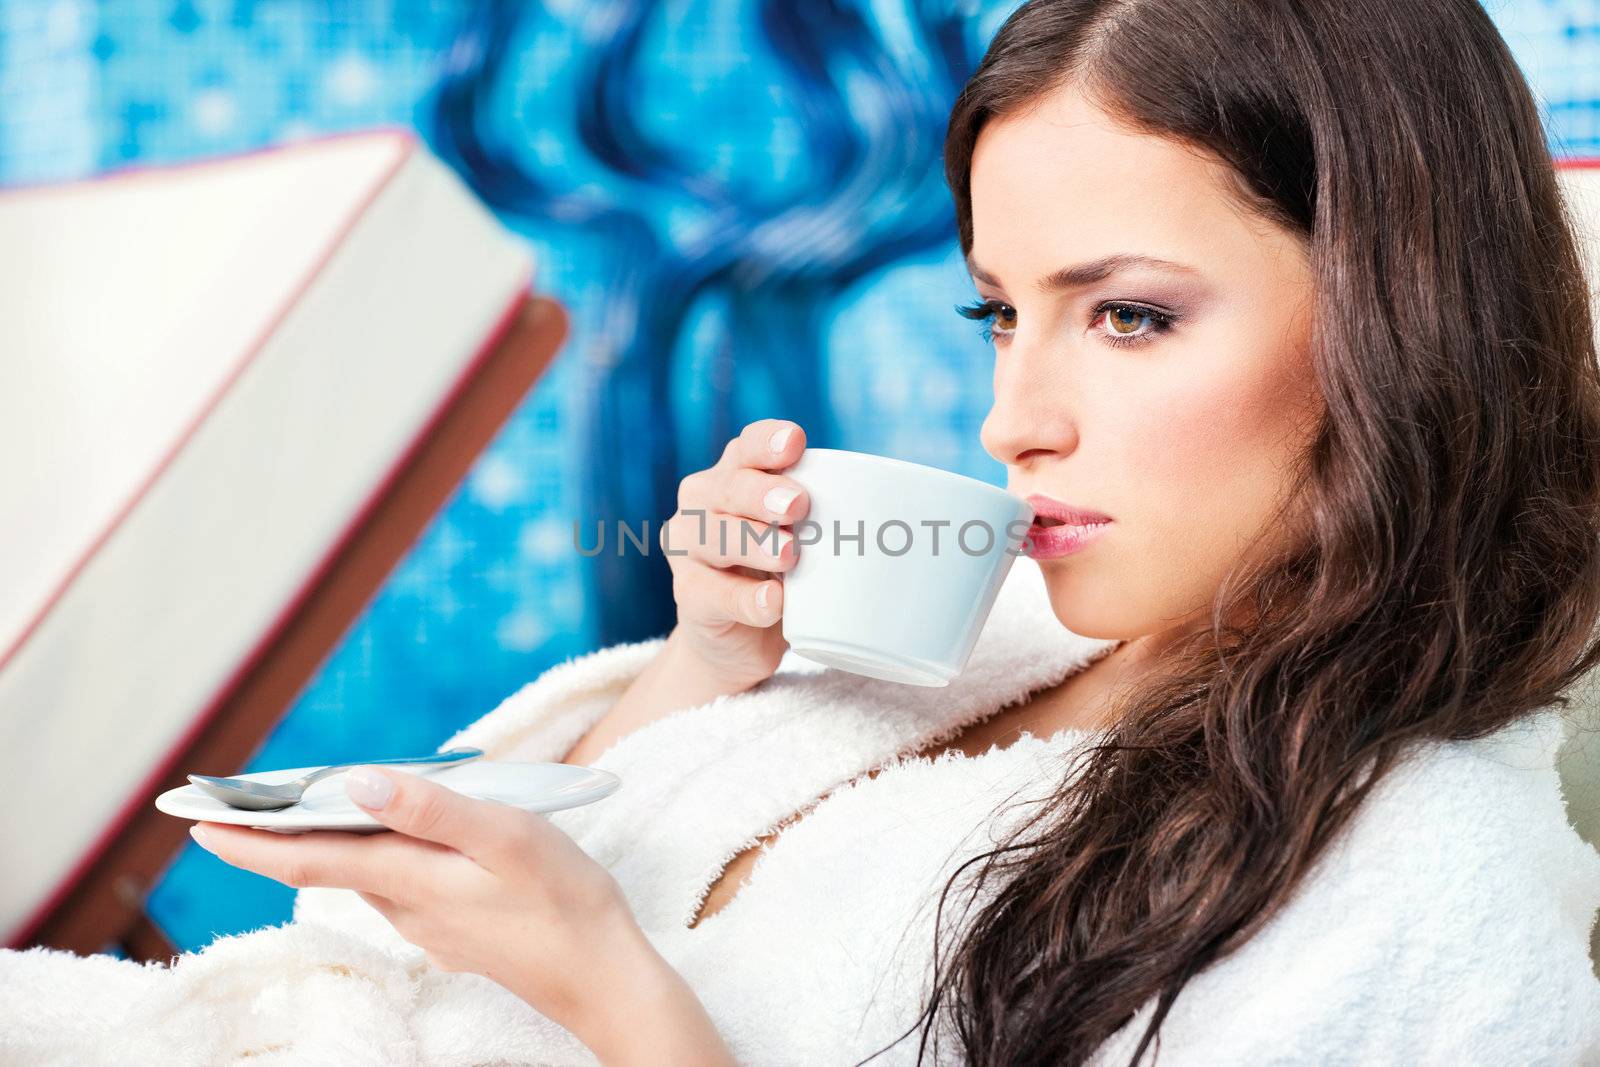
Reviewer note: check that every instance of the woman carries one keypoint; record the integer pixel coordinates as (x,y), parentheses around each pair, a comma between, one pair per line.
(1286,292)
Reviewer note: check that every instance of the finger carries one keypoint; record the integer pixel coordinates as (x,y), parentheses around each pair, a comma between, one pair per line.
(717,539)
(389,909)
(383,863)
(760,497)
(418,807)
(710,596)
(769,444)
(736,540)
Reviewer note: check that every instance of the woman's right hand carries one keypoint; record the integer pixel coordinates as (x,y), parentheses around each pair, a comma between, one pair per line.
(719,545)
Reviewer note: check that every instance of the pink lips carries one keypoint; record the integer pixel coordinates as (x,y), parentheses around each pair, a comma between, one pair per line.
(1074,528)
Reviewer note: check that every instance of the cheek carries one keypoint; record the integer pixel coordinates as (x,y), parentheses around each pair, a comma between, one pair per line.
(1225,433)
(1207,459)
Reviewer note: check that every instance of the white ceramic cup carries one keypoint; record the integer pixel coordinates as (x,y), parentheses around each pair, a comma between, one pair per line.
(906,600)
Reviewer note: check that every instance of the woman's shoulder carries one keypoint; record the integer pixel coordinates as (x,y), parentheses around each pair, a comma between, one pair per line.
(1470,844)
(1448,924)
(1489,809)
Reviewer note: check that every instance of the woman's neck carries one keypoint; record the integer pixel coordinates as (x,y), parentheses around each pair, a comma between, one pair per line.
(1089,698)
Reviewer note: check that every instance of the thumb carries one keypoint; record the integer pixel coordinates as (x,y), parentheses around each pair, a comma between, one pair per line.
(415,806)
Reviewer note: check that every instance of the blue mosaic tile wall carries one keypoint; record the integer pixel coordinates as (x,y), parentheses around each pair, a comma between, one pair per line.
(740,202)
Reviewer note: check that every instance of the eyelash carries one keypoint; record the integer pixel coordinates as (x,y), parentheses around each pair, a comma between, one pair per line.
(1160,321)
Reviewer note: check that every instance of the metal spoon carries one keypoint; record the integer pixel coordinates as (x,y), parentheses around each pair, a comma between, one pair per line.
(259,796)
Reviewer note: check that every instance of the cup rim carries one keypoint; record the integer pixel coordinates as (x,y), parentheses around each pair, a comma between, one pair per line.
(964,480)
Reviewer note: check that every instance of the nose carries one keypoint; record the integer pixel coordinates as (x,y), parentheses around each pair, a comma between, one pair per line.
(1033,414)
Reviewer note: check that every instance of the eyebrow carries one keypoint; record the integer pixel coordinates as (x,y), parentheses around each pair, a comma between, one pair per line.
(1095,270)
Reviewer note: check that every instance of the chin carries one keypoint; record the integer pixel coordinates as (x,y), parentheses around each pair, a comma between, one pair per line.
(1097,610)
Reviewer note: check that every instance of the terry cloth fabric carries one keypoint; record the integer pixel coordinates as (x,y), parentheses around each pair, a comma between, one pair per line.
(1448,926)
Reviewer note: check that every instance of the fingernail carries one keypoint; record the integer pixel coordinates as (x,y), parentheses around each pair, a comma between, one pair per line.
(780,438)
(201,838)
(779,498)
(761,594)
(369,788)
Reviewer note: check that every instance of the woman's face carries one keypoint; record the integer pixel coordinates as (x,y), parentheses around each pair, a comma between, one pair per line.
(1173,397)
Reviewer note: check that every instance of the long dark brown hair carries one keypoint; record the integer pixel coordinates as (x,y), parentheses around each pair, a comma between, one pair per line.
(1447,580)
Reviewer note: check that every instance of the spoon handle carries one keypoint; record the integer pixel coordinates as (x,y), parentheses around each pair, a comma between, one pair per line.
(454,755)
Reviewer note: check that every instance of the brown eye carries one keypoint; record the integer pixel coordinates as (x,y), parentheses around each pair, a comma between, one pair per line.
(1125,320)
(1005,318)
(1132,324)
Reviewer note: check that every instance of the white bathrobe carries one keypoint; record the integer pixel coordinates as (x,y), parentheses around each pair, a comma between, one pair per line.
(1450,926)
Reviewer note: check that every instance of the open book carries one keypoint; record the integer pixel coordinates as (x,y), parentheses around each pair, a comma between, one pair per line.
(210,370)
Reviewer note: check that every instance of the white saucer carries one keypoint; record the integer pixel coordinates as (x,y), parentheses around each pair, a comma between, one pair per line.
(530,786)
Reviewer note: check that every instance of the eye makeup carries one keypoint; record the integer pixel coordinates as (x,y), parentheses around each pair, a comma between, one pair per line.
(985,312)
(1115,313)
(1109,314)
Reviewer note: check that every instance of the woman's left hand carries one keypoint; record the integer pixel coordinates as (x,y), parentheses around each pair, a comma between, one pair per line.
(480,886)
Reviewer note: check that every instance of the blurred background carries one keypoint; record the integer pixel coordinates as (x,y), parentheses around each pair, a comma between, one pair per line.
(740,202)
